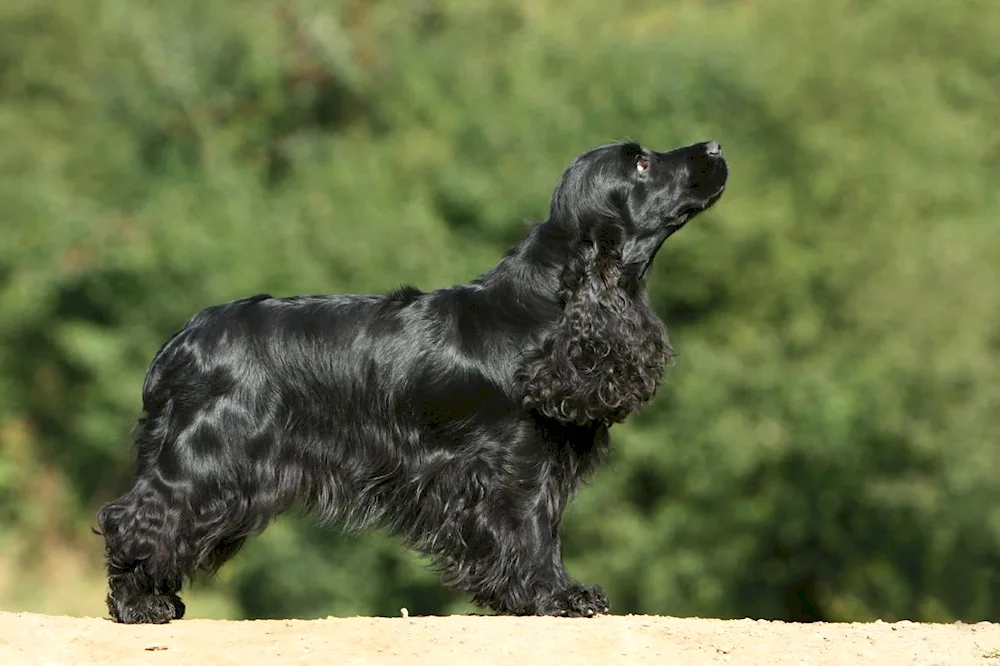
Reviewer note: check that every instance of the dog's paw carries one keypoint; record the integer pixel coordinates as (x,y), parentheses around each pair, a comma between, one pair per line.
(148,609)
(577,601)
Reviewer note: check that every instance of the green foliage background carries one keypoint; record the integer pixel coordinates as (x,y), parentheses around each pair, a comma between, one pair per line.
(828,443)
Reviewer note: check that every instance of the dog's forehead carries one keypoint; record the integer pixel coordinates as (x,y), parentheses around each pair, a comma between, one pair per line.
(610,151)
(626,147)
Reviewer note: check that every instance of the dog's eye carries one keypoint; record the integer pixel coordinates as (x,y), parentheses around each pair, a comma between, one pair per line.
(641,163)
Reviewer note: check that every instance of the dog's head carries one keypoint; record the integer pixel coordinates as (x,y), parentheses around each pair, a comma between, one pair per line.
(648,194)
(604,357)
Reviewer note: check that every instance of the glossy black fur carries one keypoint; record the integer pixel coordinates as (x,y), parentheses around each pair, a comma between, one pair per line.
(462,419)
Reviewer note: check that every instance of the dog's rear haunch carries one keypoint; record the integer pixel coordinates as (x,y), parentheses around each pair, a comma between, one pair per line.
(462,419)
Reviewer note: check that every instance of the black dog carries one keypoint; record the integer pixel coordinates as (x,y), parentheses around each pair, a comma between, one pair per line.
(462,419)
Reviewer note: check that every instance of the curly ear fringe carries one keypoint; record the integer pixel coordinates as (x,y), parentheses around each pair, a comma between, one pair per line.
(605,357)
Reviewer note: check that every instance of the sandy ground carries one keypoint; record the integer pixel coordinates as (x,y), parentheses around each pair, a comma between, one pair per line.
(27,638)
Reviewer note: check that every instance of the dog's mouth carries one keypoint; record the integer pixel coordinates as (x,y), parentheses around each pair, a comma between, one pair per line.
(689,210)
(698,204)
(682,217)
(674,225)
(712,181)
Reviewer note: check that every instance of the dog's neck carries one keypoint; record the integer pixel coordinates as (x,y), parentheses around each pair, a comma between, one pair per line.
(534,265)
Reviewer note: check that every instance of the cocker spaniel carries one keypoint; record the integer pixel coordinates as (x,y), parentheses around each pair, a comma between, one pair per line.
(461,419)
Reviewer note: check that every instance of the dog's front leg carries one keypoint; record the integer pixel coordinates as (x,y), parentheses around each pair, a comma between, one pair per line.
(560,595)
(514,565)
(568,598)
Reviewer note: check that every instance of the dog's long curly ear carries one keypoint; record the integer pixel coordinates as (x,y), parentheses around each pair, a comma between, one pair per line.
(606,355)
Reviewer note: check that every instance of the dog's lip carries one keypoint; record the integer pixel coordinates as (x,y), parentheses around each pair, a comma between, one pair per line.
(682,217)
(692,209)
(674,225)
(715,197)
(708,201)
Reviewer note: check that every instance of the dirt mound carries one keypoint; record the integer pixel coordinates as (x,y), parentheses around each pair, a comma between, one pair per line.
(29,639)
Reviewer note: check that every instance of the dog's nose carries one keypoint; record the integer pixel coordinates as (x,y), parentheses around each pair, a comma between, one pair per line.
(713,148)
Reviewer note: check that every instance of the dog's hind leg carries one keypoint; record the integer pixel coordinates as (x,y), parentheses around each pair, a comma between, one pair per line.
(167,524)
(145,559)
(199,494)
